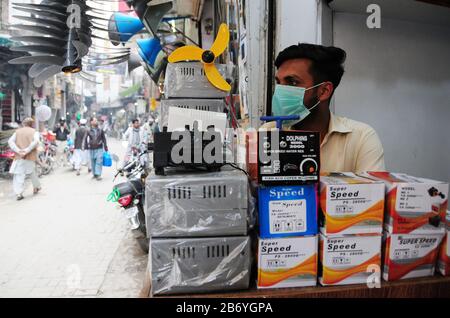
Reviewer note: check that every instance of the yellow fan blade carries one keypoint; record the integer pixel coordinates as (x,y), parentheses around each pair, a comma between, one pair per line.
(221,42)
(186,53)
(215,78)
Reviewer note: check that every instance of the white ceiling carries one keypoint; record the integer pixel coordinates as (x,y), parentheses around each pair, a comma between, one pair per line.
(409,10)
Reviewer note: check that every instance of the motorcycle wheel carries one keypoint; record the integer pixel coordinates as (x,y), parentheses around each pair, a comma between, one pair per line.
(5,164)
(142,240)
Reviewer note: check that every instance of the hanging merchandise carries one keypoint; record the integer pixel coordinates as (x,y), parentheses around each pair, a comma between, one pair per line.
(59,39)
(151,53)
(123,27)
(43,113)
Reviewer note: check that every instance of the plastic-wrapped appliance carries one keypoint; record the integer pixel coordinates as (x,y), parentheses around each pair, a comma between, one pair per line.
(187,204)
(199,265)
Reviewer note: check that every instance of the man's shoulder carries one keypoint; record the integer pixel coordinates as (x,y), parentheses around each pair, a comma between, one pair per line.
(26,130)
(357,127)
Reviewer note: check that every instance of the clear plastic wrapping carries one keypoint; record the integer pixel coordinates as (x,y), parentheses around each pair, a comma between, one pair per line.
(199,265)
(198,204)
(212,105)
(188,80)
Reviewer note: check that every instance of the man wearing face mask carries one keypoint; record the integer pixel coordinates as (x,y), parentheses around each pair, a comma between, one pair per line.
(307,76)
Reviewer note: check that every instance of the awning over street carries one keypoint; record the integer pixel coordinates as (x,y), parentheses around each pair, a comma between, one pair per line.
(130,91)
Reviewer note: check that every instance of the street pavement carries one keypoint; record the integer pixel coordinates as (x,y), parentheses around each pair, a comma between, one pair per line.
(68,241)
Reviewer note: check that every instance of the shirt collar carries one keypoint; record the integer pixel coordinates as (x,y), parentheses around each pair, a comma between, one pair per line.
(337,124)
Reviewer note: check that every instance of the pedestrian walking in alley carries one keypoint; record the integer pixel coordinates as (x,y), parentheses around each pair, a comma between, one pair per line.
(150,128)
(137,139)
(62,134)
(80,154)
(96,143)
(24,143)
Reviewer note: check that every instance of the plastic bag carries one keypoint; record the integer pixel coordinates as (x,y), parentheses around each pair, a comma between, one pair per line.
(107,160)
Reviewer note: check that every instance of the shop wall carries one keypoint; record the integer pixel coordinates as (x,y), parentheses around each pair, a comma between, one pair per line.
(398,80)
(297,21)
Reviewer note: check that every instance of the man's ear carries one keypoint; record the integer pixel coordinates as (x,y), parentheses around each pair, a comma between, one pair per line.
(325,91)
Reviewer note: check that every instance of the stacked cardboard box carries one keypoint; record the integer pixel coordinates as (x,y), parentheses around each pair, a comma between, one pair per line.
(351,223)
(414,224)
(287,253)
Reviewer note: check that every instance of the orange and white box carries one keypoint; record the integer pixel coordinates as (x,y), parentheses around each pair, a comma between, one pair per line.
(410,255)
(350,204)
(413,205)
(350,259)
(444,254)
(287,262)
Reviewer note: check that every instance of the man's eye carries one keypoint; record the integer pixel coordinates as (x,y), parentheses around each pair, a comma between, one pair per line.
(292,83)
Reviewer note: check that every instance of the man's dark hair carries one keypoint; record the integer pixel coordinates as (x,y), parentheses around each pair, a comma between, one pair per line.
(134,121)
(327,61)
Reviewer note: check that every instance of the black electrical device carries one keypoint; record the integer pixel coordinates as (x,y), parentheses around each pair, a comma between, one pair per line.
(202,155)
(288,157)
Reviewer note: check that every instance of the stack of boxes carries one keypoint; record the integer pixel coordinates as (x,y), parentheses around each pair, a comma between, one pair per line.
(197,222)
(288,241)
(351,224)
(287,252)
(414,224)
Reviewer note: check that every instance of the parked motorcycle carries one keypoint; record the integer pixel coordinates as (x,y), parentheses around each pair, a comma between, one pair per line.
(46,157)
(6,159)
(131,195)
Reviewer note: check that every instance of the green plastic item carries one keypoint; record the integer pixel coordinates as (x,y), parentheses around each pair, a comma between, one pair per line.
(114,195)
(2,96)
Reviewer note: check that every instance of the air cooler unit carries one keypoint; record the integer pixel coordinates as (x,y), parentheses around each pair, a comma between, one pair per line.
(199,265)
(188,80)
(198,204)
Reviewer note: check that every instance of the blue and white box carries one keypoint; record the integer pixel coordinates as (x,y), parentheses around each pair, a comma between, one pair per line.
(287,211)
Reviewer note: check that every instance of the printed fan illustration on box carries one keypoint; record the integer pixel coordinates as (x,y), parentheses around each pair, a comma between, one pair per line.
(207,57)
